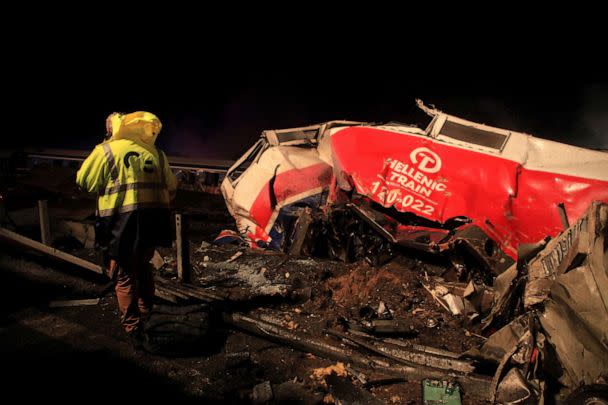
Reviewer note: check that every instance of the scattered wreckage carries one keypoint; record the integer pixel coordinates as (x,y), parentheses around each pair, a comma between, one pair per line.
(554,304)
(517,315)
(520,218)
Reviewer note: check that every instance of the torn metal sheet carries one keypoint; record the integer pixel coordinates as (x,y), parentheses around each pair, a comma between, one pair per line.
(344,235)
(509,187)
(504,285)
(460,236)
(501,342)
(513,389)
(575,318)
(567,250)
(565,293)
(283,171)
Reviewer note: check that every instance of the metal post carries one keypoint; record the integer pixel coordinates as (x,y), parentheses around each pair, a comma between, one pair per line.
(45,227)
(183,251)
(3,217)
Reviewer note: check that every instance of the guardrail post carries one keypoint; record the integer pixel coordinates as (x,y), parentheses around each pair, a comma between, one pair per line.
(45,226)
(183,248)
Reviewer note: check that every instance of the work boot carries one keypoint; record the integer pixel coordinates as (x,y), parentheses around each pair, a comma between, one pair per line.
(136,337)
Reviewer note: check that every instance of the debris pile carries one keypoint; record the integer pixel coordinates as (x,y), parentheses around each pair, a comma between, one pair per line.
(456,239)
(469,260)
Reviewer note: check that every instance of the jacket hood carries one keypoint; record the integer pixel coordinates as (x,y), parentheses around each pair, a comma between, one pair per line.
(139,126)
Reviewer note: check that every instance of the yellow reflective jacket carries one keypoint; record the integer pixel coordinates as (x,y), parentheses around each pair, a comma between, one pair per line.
(128,172)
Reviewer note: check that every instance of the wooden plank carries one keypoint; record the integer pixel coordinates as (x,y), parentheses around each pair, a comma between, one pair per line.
(188,290)
(165,295)
(173,290)
(40,247)
(73,303)
(45,226)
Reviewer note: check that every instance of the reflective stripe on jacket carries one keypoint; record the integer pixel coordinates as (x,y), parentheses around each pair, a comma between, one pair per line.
(127,175)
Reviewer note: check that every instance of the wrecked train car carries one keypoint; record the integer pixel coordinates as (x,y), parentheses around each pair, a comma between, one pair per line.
(455,183)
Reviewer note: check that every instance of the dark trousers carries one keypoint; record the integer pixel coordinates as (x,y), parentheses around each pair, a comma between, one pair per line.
(134,288)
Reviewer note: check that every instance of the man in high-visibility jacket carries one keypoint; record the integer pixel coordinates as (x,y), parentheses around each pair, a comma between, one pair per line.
(135,187)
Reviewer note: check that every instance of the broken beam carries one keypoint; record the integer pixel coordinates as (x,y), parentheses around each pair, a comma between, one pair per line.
(302,225)
(73,303)
(167,290)
(51,251)
(162,293)
(187,290)
(476,385)
(408,357)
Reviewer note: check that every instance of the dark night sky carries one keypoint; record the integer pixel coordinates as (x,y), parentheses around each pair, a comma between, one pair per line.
(214,98)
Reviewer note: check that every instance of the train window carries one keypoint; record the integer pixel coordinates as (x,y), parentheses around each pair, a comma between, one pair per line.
(473,135)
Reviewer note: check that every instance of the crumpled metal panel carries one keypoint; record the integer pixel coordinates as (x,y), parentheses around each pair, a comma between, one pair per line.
(575,318)
(436,240)
(434,179)
(513,388)
(510,189)
(567,291)
(268,189)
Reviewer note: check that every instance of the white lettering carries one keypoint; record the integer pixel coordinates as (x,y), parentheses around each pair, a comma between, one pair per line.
(427,160)
(415,180)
